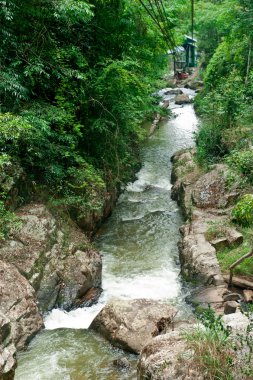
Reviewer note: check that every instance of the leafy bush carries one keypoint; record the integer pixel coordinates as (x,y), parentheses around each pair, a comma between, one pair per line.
(210,147)
(83,190)
(242,213)
(242,161)
(8,222)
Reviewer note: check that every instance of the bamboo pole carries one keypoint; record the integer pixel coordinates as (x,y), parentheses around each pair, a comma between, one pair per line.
(231,268)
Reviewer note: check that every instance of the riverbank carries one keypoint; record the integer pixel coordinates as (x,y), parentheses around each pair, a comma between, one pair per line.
(206,202)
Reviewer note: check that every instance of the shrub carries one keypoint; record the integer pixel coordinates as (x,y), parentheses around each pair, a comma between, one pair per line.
(242,161)
(242,213)
(210,147)
(8,222)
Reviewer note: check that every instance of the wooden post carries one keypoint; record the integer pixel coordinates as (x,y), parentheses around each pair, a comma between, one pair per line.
(192,18)
(231,268)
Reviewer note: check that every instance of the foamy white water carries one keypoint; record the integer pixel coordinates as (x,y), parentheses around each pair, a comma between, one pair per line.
(140,260)
(138,242)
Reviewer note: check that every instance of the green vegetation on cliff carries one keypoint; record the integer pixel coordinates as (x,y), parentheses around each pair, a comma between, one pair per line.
(225,105)
(76,83)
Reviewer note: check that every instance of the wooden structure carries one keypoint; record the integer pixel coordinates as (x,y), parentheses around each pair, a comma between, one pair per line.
(190,51)
(184,56)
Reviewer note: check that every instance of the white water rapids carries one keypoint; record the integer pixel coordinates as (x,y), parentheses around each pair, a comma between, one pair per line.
(138,243)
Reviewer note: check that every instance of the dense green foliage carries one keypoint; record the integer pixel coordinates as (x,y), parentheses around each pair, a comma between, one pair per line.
(76,83)
(225,105)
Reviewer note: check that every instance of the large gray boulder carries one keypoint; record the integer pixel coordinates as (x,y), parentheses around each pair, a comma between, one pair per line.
(56,258)
(130,324)
(197,255)
(19,317)
(7,350)
(18,304)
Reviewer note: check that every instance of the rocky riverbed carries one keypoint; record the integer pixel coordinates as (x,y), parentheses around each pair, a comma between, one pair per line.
(50,263)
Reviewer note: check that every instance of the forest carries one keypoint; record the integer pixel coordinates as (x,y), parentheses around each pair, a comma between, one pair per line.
(79,82)
(76,85)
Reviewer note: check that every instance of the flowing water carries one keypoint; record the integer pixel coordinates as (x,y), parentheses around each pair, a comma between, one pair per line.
(140,260)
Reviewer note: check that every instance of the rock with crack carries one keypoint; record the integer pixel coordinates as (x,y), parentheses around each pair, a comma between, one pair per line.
(19,316)
(130,324)
(55,257)
(197,255)
(209,190)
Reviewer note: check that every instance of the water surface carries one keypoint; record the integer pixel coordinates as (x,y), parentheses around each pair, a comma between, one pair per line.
(140,260)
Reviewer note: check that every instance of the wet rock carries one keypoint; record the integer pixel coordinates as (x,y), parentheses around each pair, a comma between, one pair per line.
(130,324)
(90,298)
(122,363)
(165,104)
(90,222)
(82,272)
(56,258)
(173,91)
(196,85)
(230,307)
(182,99)
(166,357)
(8,362)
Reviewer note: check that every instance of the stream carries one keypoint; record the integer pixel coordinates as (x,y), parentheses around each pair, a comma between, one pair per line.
(140,260)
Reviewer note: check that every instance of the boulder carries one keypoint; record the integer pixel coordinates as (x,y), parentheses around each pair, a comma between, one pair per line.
(209,190)
(166,357)
(231,297)
(236,322)
(130,324)
(18,304)
(211,295)
(57,259)
(182,99)
(230,307)
(122,364)
(197,256)
(90,298)
(248,295)
(82,271)
(231,238)
(196,85)
(19,317)
(7,350)
(165,104)
(173,91)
